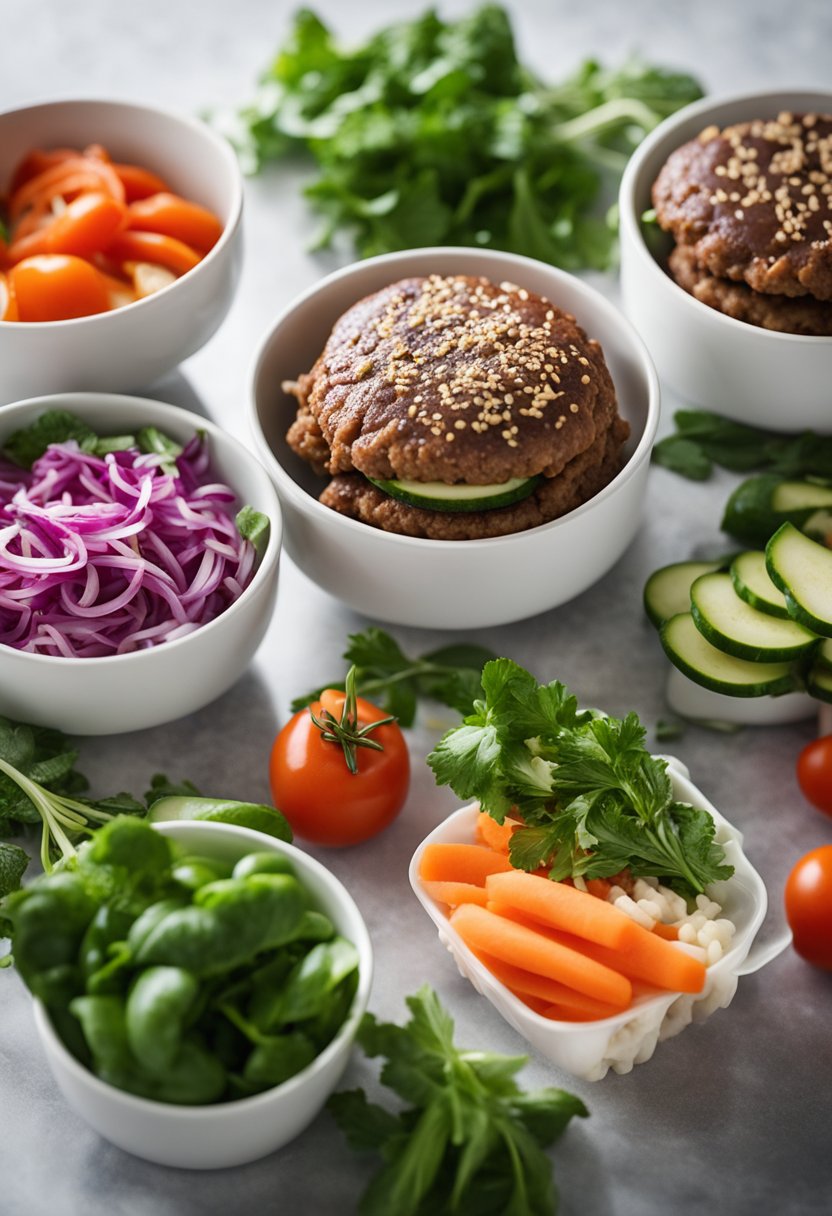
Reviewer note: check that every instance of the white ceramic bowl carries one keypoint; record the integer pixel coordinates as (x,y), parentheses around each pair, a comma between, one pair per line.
(228,1133)
(451,584)
(109,695)
(132,346)
(773,380)
(590,1049)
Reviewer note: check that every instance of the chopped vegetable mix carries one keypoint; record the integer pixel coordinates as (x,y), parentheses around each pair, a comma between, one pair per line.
(434,133)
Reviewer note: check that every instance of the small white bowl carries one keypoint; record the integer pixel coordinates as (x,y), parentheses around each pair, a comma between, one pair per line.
(451,584)
(757,376)
(589,1049)
(691,700)
(113,694)
(228,1133)
(128,347)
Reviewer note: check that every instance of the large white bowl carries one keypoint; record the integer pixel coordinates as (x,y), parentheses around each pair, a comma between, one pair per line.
(590,1049)
(112,694)
(753,375)
(228,1133)
(451,584)
(128,347)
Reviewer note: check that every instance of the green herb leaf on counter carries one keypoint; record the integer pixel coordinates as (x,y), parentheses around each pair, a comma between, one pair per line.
(703,439)
(433,132)
(395,682)
(470,1139)
(592,798)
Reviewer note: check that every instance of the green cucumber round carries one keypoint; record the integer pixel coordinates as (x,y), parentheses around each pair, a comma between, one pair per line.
(439,496)
(667,590)
(802,569)
(736,628)
(819,682)
(701,662)
(753,584)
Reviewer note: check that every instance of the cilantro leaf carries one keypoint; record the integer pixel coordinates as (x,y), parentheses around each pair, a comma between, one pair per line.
(703,439)
(471,1139)
(434,132)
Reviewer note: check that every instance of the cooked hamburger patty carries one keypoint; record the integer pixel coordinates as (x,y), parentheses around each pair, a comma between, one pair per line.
(786,314)
(453,379)
(583,476)
(754,202)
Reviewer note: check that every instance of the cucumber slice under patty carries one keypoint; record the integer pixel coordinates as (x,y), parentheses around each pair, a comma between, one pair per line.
(802,569)
(667,591)
(752,583)
(733,626)
(438,496)
(705,665)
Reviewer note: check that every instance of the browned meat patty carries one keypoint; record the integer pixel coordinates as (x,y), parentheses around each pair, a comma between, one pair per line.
(583,476)
(786,314)
(453,379)
(754,202)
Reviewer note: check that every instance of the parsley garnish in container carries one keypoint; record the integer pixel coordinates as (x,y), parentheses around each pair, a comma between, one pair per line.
(593,801)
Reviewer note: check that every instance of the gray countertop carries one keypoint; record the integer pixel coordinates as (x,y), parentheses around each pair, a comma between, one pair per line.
(731,1117)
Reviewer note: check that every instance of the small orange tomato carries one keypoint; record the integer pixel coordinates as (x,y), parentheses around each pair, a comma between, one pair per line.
(177,217)
(325,799)
(57,287)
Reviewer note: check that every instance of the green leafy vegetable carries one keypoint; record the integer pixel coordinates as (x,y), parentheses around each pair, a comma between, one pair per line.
(703,439)
(592,798)
(254,527)
(433,132)
(385,675)
(27,445)
(469,1140)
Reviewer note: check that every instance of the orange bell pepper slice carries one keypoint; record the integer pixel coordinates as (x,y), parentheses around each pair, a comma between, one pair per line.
(130,246)
(177,217)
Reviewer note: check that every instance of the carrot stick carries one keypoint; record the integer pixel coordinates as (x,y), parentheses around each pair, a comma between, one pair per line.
(493,834)
(562,907)
(454,893)
(645,956)
(551,992)
(513,943)
(460,863)
(563,1013)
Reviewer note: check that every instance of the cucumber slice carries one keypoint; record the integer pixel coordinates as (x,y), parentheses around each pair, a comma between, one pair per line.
(439,496)
(823,655)
(818,526)
(752,583)
(736,628)
(687,649)
(667,591)
(802,569)
(791,496)
(761,504)
(819,682)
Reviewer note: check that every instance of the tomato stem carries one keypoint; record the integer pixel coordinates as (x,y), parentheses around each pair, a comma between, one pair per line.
(346,731)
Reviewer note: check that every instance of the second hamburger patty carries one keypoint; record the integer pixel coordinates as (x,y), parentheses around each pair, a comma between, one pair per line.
(453,379)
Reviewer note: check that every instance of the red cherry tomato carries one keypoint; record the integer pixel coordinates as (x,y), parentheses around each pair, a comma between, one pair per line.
(312,784)
(814,773)
(808,898)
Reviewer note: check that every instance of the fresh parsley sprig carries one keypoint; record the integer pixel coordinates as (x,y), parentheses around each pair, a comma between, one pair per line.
(470,1139)
(703,439)
(385,675)
(592,798)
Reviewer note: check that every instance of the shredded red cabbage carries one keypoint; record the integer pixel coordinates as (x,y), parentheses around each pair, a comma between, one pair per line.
(107,555)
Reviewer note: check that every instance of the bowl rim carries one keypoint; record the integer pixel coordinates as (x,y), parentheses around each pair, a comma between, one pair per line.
(688,792)
(495,258)
(217,1111)
(196,127)
(630,220)
(122,402)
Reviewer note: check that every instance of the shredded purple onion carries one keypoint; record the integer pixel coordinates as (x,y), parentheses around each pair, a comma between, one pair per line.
(108,555)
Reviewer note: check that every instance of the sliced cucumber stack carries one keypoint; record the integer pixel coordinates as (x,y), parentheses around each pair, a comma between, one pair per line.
(439,496)
(667,591)
(703,663)
(802,569)
(753,584)
(738,629)
(761,504)
(819,682)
